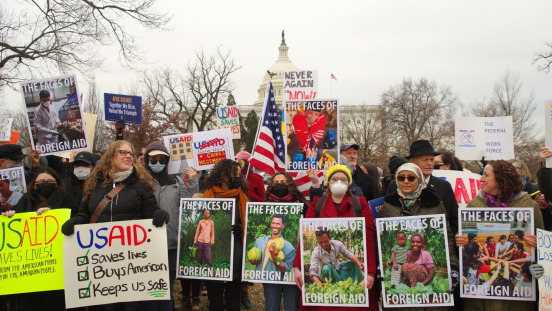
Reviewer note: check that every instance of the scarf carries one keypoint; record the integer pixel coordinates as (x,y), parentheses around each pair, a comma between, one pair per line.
(410,199)
(217,192)
(524,181)
(123,175)
(287,198)
(491,201)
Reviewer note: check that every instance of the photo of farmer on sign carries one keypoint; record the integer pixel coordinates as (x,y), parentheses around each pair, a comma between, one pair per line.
(205,243)
(333,263)
(270,239)
(54,115)
(414,261)
(312,132)
(496,256)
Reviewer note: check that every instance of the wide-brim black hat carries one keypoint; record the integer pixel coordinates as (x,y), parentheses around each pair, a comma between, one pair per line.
(421,147)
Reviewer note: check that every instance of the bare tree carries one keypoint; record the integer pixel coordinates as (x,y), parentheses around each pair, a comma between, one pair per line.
(364,125)
(94,105)
(544,59)
(20,125)
(418,110)
(66,35)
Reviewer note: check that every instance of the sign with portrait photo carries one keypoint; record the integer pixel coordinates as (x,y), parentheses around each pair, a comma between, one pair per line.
(12,187)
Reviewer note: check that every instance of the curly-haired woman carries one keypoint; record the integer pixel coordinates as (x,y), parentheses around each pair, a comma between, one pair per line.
(131,187)
(501,187)
(225,181)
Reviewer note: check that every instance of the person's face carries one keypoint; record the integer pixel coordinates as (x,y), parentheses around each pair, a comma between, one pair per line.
(416,243)
(491,242)
(123,162)
(475,240)
(425,163)
(276,225)
(324,242)
(235,173)
(439,161)
(502,241)
(142,156)
(7,163)
(45,99)
(407,186)
(512,239)
(4,186)
(516,238)
(517,250)
(280,179)
(157,157)
(488,181)
(518,169)
(81,164)
(44,178)
(312,116)
(207,214)
(401,239)
(351,155)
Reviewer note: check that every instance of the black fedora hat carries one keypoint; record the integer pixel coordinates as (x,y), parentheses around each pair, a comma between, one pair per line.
(421,147)
(11,152)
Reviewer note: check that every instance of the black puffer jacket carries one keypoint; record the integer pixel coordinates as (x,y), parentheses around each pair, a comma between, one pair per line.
(135,201)
(364,181)
(58,200)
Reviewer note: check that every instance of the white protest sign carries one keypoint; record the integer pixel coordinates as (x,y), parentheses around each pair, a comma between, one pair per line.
(301,84)
(489,137)
(466,185)
(6,124)
(199,149)
(14,179)
(548,129)
(116,262)
(544,256)
(229,118)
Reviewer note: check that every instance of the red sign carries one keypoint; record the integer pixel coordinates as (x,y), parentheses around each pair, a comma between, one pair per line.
(14,139)
(211,157)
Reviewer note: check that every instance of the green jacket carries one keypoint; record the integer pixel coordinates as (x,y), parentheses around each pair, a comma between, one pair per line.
(521,199)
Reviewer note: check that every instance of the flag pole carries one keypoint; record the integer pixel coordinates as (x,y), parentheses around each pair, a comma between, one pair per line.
(331,88)
(261,119)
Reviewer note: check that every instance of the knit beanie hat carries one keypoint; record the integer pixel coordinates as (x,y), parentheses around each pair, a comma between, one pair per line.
(395,163)
(338,168)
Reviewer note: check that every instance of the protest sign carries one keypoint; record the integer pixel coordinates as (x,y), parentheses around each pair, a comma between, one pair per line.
(312,134)
(12,187)
(114,262)
(548,129)
(466,185)
(90,122)
(31,252)
(54,115)
(476,137)
(544,252)
(14,139)
(400,238)
(6,124)
(123,107)
(199,149)
(301,84)
(376,205)
(205,240)
(495,256)
(270,238)
(337,279)
(229,118)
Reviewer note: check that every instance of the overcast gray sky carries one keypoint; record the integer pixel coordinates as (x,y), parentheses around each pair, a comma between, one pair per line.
(367,45)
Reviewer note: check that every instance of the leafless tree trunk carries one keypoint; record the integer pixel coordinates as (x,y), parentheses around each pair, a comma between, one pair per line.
(364,125)
(94,105)
(20,125)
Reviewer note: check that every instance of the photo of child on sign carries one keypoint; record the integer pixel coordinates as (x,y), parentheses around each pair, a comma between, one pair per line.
(312,132)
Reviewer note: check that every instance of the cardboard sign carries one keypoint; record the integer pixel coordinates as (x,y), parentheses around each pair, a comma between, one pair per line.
(229,118)
(398,239)
(498,256)
(56,121)
(312,134)
(205,240)
(548,129)
(14,138)
(123,107)
(300,84)
(6,124)
(489,137)
(14,180)
(270,237)
(199,149)
(31,252)
(466,185)
(342,276)
(116,262)
(544,256)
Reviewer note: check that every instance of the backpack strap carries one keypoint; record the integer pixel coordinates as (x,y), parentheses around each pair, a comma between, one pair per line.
(357,209)
(320,205)
(107,198)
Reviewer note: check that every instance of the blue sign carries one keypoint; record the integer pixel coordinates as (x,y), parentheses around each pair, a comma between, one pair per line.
(376,205)
(125,107)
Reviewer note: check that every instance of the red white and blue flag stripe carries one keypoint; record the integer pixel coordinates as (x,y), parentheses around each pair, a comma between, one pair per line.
(333,77)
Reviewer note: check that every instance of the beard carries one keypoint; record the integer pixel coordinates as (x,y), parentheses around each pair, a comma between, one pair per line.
(276,231)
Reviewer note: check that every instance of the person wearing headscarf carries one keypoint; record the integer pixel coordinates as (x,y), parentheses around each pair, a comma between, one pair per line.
(413,198)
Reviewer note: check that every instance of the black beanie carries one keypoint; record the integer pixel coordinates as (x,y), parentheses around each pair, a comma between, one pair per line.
(395,163)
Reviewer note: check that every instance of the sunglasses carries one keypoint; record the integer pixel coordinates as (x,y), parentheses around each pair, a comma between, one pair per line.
(410,178)
(162,161)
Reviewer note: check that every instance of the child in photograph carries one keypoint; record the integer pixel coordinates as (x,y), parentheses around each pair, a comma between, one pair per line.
(309,127)
(524,278)
(472,237)
(473,266)
(501,247)
(399,254)
(490,247)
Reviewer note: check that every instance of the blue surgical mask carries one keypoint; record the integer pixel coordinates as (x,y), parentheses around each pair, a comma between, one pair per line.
(156,168)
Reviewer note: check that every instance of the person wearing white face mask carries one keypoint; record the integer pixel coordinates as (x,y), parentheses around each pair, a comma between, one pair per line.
(82,166)
(46,120)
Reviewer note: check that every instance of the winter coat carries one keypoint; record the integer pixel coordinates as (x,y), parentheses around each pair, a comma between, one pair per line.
(135,201)
(387,179)
(73,187)
(256,187)
(445,193)
(365,182)
(544,179)
(521,199)
(346,210)
(58,200)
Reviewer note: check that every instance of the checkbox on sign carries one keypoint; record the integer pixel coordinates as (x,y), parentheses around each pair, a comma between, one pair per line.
(83,275)
(84,292)
(81,261)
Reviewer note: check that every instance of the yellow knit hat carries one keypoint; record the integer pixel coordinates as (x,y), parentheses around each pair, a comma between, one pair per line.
(338,168)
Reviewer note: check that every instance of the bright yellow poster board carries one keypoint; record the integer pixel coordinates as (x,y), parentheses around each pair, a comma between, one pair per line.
(31,252)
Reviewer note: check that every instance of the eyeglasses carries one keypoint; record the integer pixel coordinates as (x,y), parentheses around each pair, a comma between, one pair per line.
(162,161)
(47,181)
(335,179)
(124,153)
(401,178)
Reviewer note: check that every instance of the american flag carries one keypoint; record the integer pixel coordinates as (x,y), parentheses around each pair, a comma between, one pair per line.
(333,77)
(269,153)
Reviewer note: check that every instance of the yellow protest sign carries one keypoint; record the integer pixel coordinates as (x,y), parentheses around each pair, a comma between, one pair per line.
(31,252)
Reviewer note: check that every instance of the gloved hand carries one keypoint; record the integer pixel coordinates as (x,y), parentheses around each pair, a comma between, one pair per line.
(237,230)
(483,161)
(68,227)
(160,217)
(120,126)
(454,278)
(537,270)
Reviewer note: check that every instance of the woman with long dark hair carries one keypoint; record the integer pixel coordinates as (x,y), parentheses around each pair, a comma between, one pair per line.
(446,161)
(372,170)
